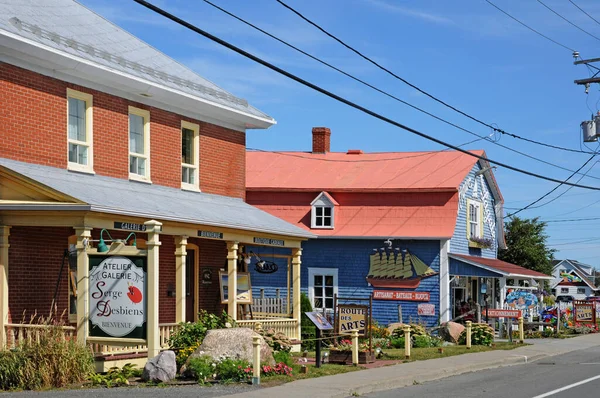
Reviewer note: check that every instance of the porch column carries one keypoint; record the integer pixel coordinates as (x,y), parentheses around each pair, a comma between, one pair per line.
(180,264)
(444,282)
(296,261)
(232,247)
(83,283)
(153,243)
(502,291)
(4,245)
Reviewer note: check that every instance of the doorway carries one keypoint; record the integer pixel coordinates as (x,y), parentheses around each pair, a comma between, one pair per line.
(190,285)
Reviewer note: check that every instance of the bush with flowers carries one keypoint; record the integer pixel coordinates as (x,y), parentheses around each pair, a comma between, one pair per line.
(346,345)
(206,369)
(278,369)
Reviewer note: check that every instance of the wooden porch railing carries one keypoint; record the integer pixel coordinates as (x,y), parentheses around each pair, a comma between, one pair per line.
(16,333)
(289,326)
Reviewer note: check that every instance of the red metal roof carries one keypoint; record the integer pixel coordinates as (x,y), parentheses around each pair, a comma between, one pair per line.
(339,171)
(409,215)
(502,266)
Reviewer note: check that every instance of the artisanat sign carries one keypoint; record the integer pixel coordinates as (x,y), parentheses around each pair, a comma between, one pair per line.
(585,312)
(210,234)
(499,313)
(267,241)
(352,316)
(426,309)
(117,296)
(400,295)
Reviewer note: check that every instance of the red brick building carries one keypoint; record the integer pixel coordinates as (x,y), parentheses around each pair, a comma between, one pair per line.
(102,135)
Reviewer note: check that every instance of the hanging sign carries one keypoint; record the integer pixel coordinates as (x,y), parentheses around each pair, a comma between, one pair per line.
(400,295)
(350,317)
(117,296)
(499,313)
(426,309)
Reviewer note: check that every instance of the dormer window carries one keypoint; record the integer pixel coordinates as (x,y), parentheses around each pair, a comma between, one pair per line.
(323,211)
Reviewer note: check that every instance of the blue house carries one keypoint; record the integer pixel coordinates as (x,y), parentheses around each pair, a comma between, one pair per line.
(417,232)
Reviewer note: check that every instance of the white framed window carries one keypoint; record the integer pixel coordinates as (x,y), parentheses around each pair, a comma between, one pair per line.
(322,286)
(323,211)
(564,290)
(190,156)
(80,131)
(581,290)
(474,219)
(139,144)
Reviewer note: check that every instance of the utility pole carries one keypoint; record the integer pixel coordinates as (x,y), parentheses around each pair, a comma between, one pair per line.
(590,128)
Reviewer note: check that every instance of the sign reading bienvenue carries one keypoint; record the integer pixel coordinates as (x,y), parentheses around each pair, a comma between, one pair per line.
(400,295)
(352,317)
(117,296)
(267,241)
(210,234)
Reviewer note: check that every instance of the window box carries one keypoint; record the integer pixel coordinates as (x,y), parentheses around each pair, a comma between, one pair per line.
(481,243)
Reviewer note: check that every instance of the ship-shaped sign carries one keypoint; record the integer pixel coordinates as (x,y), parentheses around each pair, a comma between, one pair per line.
(401,270)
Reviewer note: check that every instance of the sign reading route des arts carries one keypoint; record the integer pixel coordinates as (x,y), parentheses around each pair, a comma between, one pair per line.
(118,296)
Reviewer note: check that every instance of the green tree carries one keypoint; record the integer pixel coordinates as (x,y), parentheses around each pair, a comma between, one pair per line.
(526,242)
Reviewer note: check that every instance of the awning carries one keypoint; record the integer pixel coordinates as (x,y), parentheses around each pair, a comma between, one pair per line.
(464,265)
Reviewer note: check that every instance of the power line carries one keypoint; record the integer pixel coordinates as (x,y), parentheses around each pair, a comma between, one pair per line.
(529,27)
(423,91)
(385,92)
(346,101)
(549,192)
(566,20)
(572,220)
(583,11)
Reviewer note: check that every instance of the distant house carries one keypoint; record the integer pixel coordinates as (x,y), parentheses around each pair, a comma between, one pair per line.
(572,278)
(418,232)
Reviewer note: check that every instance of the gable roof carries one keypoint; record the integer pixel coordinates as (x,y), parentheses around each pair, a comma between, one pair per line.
(339,171)
(577,268)
(44,29)
(327,196)
(123,197)
(499,266)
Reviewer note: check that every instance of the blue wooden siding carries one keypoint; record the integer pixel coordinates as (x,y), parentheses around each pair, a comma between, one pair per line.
(459,243)
(461,268)
(351,258)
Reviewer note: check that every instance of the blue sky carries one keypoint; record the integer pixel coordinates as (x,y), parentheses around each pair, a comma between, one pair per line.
(466,53)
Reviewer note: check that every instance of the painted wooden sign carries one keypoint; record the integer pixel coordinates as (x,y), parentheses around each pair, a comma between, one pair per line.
(585,312)
(352,316)
(400,295)
(500,313)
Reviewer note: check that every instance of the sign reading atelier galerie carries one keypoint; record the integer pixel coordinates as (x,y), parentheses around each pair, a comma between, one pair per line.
(118,296)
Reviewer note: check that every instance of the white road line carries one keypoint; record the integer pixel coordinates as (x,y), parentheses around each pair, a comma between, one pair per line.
(567,387)
(591,363)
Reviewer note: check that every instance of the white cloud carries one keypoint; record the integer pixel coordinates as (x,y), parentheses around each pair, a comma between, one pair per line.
(411,12)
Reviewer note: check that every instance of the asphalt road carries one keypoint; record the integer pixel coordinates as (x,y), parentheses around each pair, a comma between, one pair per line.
(551,377)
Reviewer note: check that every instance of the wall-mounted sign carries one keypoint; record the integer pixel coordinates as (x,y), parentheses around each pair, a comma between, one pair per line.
(117,296)
(499,313)
(128,226)
(352,317)
(267,241)
(400,295)
(206,276)
(244,289)
(210,234)
(426,309)
(319,320)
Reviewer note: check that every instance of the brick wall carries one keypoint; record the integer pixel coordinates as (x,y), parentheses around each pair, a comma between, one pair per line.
(33,126)
(213,255)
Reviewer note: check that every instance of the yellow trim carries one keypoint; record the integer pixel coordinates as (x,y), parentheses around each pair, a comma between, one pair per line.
(146,155)
(196,154)
(18,183)
(89,131)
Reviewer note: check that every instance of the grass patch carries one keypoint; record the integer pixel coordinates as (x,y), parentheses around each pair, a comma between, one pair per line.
(313,371)
(421,354)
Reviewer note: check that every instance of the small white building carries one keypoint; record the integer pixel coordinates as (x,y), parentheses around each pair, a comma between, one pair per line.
(572,278)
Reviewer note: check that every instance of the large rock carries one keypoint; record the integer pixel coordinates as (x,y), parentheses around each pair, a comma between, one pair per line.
(160,369)
(235,343)
(450,331)
(393,326)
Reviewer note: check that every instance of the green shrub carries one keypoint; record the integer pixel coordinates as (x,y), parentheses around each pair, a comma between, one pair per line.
(283,357)
(481,334)
(116,377)
(203,368)
(233,370)
(397,342)
(415,330)
(307,328)
(426,341)
(11,367)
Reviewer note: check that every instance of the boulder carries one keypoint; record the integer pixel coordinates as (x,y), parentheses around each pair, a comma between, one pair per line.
(235,343)
(450,331)
(160,369)
(393,326)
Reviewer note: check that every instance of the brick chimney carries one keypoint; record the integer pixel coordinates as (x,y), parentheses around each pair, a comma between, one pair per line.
(321,137)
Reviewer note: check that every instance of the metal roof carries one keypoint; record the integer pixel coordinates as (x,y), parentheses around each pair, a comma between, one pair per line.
(71,28)
(124,197)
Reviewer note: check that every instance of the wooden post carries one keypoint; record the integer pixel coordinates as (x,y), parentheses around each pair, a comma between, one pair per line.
(521,330)
(296,262)
(469,335)
(180,285)
(4,245)
(354,334)
(153,243)
(407,341)
(83,284)
(256,360)
(232,248)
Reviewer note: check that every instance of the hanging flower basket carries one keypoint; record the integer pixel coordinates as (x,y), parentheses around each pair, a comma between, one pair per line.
(482,243)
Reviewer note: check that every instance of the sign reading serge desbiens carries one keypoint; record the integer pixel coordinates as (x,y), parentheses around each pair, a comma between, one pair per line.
(118,296)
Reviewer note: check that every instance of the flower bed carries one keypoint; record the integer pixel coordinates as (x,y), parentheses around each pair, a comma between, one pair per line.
(344,357)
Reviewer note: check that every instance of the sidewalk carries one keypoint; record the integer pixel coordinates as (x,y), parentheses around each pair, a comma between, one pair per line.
(396,376)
